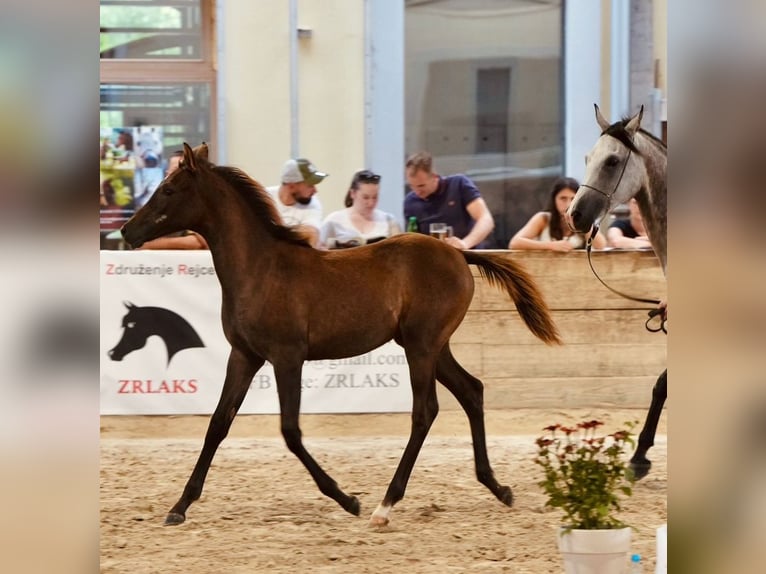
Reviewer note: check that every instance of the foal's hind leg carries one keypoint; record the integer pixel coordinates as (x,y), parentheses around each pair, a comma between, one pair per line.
(289,389)
(639,463)
(239,373)
(424,410)
(469,392)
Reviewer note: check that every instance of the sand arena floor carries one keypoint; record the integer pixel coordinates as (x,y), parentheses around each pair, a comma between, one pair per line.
(261,511)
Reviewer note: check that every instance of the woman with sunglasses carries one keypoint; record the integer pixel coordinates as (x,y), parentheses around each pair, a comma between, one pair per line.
(360,222)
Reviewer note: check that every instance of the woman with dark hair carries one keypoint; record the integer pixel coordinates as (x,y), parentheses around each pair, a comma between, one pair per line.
(548,229)
(361,222)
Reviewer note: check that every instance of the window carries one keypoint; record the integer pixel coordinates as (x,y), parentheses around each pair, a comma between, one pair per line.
(483,94)
(157,91)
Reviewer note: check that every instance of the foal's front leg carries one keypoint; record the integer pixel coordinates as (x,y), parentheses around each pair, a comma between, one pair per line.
(239,373)
(289,389)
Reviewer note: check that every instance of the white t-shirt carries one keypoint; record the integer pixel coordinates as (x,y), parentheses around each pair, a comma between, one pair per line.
(576,239)
(338,227)
(298,214)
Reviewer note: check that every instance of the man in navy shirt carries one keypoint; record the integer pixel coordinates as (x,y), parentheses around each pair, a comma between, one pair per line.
(453,200)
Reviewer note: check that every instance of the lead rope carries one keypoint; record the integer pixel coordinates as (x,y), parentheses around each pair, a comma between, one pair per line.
(652,313)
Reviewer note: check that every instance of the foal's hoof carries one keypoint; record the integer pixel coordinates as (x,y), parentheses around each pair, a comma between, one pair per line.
(174,518)
(505,495)
(378,521)
(352,506)
(640,468)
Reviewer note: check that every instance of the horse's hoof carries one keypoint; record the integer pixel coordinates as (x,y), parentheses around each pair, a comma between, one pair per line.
(352,506)
(174,518)
(640,469)
(505,495)
(378,521)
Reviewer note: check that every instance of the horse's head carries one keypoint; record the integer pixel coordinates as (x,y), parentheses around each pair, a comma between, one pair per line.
(134,333)
(613,174)
(176,205)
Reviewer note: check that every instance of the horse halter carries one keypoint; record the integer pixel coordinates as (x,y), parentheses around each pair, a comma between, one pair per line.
(608,195)
(589,244)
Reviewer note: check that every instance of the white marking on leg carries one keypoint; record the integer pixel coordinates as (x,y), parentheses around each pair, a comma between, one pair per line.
(380,516)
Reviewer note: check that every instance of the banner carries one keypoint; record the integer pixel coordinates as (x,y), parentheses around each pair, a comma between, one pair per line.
(163,350)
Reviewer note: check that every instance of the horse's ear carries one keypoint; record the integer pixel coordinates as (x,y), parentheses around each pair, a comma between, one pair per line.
(635,122)
(602,123)
(189,161)
(201,151)
(129,305)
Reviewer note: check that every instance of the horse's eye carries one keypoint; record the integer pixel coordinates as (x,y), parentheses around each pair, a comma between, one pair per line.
(130,325)
(612,161)
(167,190)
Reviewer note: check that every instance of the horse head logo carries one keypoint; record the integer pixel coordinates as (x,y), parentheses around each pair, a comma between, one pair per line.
(140,323)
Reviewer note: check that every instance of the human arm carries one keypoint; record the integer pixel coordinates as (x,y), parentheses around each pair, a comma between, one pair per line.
(327,234)
(190,241)
(310,223)
(393,225)
(310,232)
(616,238)
(599,241)
(484,223)
(526,237)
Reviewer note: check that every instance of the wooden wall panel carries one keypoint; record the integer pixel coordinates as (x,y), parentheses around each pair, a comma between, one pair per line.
(563,393)
(608,357)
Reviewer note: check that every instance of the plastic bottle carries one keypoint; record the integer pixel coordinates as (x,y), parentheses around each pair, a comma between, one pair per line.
(412,224)
(636,567)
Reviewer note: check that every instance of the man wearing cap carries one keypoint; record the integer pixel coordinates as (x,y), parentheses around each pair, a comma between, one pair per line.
(295,197)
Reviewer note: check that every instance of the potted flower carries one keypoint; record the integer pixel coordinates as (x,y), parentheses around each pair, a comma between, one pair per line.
(587,475)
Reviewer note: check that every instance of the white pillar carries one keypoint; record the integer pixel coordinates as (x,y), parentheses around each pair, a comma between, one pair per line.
(620,60)
(384,100)
(219,155)
(582,81)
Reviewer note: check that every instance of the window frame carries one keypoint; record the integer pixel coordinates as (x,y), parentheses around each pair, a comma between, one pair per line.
(145,71)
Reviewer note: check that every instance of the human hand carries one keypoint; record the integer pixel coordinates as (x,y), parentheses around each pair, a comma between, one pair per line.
(456,242)
(562,246)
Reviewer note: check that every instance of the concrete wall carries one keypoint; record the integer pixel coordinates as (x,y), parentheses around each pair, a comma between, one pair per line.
(256,90)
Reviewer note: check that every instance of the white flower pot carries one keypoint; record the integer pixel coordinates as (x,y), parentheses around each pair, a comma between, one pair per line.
(662,550)
(595,551)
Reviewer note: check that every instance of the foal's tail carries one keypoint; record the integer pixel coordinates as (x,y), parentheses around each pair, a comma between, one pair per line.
(507,274)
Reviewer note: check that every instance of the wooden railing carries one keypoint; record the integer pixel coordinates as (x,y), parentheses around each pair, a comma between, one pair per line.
(608,357)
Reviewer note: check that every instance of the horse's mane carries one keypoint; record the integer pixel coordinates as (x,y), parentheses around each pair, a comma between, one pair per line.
(261,203)
(617,130)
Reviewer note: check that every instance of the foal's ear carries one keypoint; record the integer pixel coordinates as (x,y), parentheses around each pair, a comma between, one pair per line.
(201,151)
(600,119)
(635,122)
(189,161)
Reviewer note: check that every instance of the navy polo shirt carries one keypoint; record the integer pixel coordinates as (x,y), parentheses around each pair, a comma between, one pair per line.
(446,205)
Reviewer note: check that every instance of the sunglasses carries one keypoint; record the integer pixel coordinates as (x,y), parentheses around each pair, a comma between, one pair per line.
(367,176)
